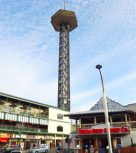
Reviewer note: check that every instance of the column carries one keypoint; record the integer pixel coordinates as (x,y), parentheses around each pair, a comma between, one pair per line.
(126,119)
(95,121)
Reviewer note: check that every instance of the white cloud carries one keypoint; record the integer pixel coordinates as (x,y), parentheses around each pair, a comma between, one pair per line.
(120,81)
(81,100)
(29,54)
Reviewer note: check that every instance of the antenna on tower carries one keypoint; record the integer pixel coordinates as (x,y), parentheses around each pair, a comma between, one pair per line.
(64,4)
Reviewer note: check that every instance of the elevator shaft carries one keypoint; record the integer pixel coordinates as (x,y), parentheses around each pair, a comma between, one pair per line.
(64,69)
(64,21)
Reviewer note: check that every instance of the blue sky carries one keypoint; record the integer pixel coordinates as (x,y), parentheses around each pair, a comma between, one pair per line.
(29,48)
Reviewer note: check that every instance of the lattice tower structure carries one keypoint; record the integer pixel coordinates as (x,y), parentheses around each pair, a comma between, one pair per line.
(64,21)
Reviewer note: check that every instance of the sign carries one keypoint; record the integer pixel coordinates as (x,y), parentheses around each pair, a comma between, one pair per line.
(113,130)
(4,135)
(30,136)
(4,139)
(39,137)
(48,137)
(18,136)
(23,136)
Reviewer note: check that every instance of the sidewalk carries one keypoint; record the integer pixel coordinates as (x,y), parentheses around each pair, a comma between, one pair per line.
(25,151)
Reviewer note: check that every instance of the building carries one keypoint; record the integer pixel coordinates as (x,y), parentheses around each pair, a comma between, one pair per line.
(64,21)
(91,129)
(26,122)
(132,107)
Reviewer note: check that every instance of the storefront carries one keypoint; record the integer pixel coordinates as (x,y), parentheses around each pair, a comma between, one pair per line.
(4,139)
(98,137)
(91,129)
(26,141)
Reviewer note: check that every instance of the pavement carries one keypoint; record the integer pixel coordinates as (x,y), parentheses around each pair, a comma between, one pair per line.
(50,151)
(25,151)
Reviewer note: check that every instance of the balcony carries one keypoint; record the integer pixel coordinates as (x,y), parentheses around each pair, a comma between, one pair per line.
(23,118)
(130,124)
(24,130)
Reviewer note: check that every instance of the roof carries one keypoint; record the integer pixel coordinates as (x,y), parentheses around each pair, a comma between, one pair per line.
(113,107)
(26,100)
(64,16)
(132,107)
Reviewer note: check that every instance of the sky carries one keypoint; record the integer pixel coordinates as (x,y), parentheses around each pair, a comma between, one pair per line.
(29,50)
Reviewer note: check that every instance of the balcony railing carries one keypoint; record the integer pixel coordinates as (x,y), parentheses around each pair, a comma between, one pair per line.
(23,118)
(130,124)
(22,129)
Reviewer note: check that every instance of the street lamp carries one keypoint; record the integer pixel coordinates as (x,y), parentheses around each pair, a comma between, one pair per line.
(105,109)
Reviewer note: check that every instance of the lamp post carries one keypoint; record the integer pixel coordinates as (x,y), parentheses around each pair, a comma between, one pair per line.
(105,109)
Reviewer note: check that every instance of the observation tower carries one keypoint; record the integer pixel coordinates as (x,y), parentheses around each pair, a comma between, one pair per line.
(64,21)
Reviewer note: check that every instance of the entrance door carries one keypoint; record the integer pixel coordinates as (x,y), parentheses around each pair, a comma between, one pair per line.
(102,144)
(86,143)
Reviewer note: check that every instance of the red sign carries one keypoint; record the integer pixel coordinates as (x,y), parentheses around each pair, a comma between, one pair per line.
(3,139)
(103,130)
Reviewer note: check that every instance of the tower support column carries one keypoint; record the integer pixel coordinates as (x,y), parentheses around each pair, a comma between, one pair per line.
(64,69)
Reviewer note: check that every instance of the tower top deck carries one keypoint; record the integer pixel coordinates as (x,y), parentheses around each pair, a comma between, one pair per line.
(64,17)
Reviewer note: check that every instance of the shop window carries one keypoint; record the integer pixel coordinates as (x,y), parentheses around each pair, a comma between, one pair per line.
(59,128)
(60,116)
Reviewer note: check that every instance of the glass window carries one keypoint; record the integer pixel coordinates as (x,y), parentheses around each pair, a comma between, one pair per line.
(59,128)
(60,116)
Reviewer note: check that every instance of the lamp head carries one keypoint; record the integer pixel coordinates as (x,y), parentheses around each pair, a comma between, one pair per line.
(98,66)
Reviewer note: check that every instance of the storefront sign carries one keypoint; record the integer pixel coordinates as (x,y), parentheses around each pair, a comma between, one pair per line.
(4,135)
(103,130)
(4,139)
(30,136)
(17,136)
(39,137)
(23,136)
(48,137)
